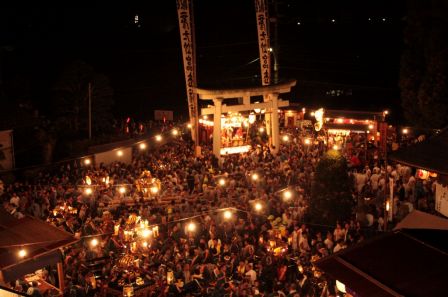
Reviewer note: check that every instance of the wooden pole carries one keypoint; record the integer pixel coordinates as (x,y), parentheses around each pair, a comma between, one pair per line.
(61,276)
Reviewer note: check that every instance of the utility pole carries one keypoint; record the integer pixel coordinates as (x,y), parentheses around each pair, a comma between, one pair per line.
(89,91)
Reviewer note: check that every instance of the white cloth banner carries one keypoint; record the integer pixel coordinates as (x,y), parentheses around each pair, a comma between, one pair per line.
(442,199)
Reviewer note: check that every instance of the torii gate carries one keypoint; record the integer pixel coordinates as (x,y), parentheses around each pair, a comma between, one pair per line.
(270,103)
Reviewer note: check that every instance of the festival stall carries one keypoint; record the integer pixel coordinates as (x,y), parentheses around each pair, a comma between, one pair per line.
(26,246)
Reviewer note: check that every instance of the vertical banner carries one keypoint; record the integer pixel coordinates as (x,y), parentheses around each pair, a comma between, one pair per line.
(442,199)
(6,150)
(186,29)
(261,10)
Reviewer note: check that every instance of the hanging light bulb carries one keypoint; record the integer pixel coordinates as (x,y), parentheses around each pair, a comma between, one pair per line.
(22,253)
(122,190)
(227,214)
(191,227)
(142,146)
(222,182)
(287,195)
(158,138)
(258,206)
(255,177)
(94,242)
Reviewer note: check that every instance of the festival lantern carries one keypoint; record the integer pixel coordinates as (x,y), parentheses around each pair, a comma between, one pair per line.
(422,174)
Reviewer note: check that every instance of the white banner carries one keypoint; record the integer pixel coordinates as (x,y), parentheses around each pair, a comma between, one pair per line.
(261,9)
(6,150)
(186,29)
(442,199)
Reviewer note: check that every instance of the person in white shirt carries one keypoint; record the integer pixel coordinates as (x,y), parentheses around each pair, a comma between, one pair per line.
(251,274)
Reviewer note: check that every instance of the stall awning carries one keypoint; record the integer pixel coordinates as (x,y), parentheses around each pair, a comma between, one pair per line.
(409,262)
(40,240)
(430,154)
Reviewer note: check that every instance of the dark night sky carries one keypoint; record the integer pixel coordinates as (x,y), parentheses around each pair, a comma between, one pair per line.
(355,55)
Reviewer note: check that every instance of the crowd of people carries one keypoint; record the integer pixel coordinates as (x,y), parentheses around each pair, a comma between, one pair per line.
(215,228)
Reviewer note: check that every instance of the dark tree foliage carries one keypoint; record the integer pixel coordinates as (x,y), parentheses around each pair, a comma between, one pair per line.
(71,101)
(331,198)
(424,64)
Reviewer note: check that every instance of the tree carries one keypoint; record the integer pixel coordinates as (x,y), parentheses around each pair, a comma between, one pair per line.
(71,102)
(424,64)
(331,198)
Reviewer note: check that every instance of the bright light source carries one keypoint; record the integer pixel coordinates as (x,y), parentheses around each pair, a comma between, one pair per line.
(335,147)
(88,180)
(158,137)
(122,190)
(227,214)
(285,138)
(370,126)
(255,177)
(303,109)
(387,205)
(258,206)
(261,129)
(222,182)
(189,126)
(175,132)
(142,146)
(299,23)
(154,190)
(405,131)
(119,153)
(312,113)
(340,286)
(287,195)
(144,244)
(94,242)
(146,233)
(333,20)
(87,161)
(205,117)
(307,141)
(340,121)
(22,253)
(384,19)
(88,191)
(271,49)
(191,227)
(386,112)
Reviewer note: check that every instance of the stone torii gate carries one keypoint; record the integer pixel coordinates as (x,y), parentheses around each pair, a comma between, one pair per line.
(270,103)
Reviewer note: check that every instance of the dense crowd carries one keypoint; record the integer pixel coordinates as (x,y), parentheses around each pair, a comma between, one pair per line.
(249,239)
